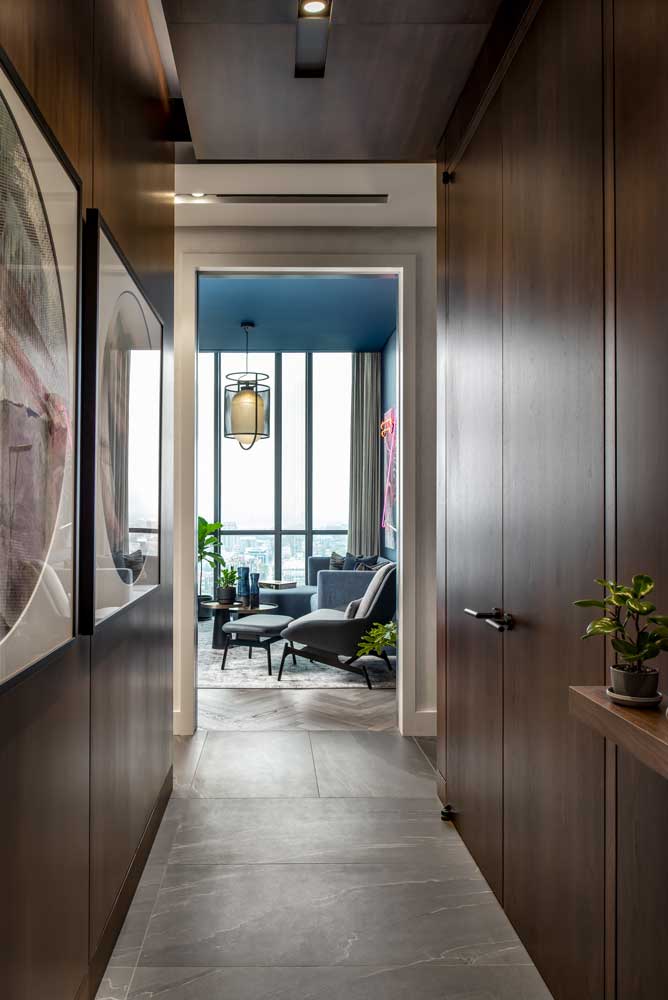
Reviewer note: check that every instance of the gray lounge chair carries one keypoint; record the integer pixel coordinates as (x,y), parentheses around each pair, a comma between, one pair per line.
(332,637)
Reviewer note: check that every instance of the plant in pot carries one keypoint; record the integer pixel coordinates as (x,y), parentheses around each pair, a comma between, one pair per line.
(377,638)
(227,591)
(637,634)
(207,555)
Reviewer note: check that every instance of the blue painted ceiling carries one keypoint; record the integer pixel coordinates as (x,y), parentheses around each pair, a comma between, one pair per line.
(297,312)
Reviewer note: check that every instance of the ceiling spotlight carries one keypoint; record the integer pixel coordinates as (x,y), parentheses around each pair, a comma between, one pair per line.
(314,6)
(197,194)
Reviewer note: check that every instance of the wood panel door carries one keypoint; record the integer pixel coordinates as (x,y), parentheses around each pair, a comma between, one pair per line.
(553,491)
(641,111)
(474,490)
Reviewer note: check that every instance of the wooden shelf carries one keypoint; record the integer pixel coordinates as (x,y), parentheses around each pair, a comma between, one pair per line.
(642,732)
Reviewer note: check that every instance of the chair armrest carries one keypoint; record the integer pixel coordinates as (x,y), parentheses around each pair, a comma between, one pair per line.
(338,587)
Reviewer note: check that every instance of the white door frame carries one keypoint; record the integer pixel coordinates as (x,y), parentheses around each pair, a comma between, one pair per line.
(189,263)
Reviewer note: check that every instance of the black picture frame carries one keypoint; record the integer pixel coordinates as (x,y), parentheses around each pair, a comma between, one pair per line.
(94,228)
(55,653)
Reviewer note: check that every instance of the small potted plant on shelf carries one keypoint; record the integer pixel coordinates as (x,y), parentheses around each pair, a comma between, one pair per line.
(207,555)
(227,591)
(637,635)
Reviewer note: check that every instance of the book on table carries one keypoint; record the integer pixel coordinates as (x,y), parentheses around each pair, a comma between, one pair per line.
(278,584)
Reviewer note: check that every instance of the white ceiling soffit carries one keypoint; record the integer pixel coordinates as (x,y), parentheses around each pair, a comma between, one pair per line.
(309,194)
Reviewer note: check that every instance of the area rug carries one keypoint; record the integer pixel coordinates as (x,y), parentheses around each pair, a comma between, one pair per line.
(242,672)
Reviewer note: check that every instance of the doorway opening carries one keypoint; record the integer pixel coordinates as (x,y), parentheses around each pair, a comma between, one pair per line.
(311,510)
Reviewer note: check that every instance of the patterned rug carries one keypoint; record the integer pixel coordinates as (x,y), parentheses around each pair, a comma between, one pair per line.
(240,672)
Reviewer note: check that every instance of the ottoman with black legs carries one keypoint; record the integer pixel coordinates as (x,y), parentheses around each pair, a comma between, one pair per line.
(256,632)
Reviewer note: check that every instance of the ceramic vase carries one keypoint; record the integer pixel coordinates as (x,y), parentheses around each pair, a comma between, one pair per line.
(243,586)
(255,590)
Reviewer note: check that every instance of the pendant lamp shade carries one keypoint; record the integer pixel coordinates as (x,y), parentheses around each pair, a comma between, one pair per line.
(246,404)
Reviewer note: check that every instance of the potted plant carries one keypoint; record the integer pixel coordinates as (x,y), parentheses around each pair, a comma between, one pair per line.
(207,555)
(377,638)
(227,591)
(637,634)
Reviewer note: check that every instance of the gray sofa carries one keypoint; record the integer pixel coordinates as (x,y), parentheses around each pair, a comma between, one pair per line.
(327,588)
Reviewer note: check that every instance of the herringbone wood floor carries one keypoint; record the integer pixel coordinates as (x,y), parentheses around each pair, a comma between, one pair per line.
(321,709)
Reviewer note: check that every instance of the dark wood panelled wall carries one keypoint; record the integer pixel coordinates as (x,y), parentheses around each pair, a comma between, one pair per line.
(553,232)
(85,741)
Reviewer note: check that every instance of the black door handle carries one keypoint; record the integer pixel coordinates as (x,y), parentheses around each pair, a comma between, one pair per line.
(496,618)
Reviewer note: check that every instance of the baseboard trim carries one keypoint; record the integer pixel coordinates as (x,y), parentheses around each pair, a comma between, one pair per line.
(100,958)
(420,724)
(183,724)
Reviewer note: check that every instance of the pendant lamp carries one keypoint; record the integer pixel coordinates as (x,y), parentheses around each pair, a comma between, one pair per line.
(246,403)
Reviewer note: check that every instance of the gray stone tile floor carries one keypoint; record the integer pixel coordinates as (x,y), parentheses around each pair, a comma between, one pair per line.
(312,866)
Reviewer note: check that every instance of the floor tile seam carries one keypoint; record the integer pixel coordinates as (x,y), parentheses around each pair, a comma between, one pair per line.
(427,963)
(315,769)
(187,786)
(150,917)
(386,863)
(417,744)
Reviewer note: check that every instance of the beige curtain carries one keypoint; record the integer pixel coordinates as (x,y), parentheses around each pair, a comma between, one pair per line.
(365,455)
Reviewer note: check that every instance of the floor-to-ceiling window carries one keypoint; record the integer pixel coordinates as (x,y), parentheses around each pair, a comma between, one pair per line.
(287,497)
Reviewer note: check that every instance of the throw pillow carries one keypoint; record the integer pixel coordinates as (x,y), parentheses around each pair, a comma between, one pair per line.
(349,561)
(367,563)
(336,561)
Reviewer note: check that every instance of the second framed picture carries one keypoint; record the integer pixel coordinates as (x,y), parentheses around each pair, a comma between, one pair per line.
(121,432)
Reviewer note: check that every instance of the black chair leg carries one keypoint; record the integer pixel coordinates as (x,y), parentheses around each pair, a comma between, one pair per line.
(387,660)
(294,658)
(286,650)
(225,649)
(366,676)
(269,658)
(250,652)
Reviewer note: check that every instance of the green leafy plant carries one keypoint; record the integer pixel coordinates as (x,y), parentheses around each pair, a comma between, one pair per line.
(375,639)
(227,577)
(207,547)
(636,633)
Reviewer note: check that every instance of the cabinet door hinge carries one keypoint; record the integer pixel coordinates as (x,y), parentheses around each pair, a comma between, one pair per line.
(447,177)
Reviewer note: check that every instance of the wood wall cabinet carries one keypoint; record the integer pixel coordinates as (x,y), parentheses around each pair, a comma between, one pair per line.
(474,717)
(526,498)
(553,493)
(641,244)
(85,740)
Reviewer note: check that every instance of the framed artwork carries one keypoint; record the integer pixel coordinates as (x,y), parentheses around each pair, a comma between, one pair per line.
(121,432)
(388,432)
(40,228)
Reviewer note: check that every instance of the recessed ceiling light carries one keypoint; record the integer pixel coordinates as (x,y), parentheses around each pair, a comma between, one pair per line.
(197,194)
(314,6)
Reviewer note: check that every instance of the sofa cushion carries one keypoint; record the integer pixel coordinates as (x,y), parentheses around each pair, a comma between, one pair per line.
(294,601)
(258,625)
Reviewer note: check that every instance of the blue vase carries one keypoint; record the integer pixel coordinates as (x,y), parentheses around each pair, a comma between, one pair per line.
(255,590)
(243,586)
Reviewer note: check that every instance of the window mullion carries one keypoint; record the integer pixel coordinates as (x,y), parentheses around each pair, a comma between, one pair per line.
(278,464)
(308,471)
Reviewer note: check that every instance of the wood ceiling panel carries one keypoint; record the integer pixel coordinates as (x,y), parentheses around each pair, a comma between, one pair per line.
(231,11)
(414,11)
(343,11)
(387,92)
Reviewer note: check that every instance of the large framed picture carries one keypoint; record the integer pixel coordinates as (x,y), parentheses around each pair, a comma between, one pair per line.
(40,228)
(121,432)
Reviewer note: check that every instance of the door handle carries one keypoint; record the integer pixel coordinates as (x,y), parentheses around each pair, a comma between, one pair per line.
(496,618)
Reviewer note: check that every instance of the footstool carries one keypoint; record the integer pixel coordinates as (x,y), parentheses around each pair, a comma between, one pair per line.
(256,632)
